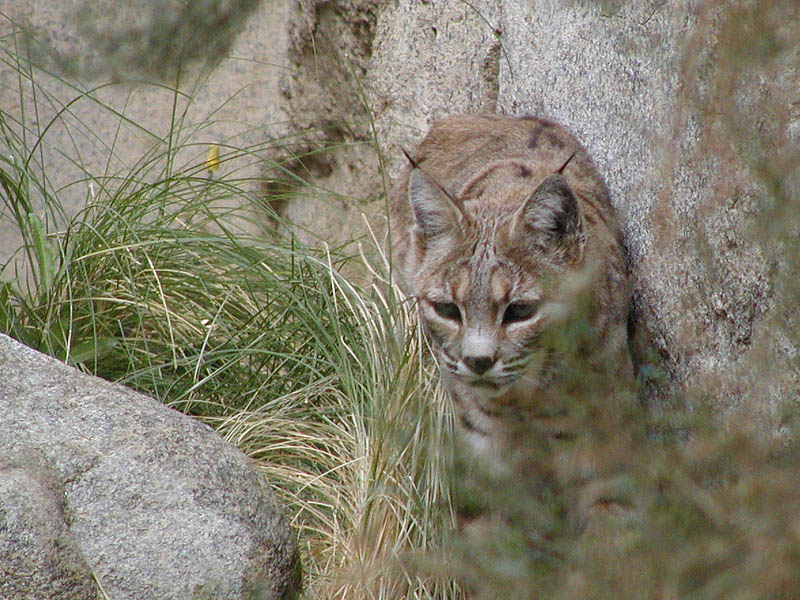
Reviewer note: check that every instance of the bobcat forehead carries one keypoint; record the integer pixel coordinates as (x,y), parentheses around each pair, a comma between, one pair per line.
(493,277)
(462,282)
(500,286)
(467,279)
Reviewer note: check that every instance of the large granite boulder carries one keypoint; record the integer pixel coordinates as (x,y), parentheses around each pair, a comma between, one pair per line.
(106,491)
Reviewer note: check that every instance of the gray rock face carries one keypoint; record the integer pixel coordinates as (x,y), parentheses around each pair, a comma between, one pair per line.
(100,483)
(39,558)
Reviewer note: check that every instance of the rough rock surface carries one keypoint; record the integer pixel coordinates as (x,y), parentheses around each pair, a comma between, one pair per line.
(39,558)
(102,486)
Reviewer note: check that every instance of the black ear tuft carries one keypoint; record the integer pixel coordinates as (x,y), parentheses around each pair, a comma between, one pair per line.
(408,158)
(560,171)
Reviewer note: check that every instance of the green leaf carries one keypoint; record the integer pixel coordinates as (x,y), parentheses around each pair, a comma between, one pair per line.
(44,251)
(7,313)
(91,350)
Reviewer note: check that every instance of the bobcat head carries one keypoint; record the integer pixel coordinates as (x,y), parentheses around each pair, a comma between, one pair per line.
(485,264)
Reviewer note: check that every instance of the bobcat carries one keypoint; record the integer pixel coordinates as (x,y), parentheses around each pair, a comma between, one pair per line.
(490,222)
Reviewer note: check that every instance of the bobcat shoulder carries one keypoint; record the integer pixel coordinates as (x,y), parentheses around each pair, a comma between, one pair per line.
(488,221)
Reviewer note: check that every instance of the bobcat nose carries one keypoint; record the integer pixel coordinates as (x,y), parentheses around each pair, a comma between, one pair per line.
(479,364)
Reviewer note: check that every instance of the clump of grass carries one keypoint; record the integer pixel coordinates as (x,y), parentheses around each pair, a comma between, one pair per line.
(361,457)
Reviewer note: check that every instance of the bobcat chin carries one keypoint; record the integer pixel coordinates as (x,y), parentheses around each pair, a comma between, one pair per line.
(491,220)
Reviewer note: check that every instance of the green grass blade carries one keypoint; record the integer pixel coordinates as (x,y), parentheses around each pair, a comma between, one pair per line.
(43,250)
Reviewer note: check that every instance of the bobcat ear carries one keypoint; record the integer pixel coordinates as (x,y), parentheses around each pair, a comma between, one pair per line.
(552,210)
(436,212)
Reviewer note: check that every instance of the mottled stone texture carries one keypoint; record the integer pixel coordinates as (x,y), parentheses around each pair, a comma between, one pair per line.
(101,486)
(39,557)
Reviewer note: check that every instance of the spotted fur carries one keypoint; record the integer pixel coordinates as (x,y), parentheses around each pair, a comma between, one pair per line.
(488,220)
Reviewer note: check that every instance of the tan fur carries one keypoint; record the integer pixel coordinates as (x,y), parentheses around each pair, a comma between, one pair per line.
(485,232)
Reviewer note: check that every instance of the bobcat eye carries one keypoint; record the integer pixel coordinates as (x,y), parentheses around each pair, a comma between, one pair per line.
(447,310)
(519,311)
